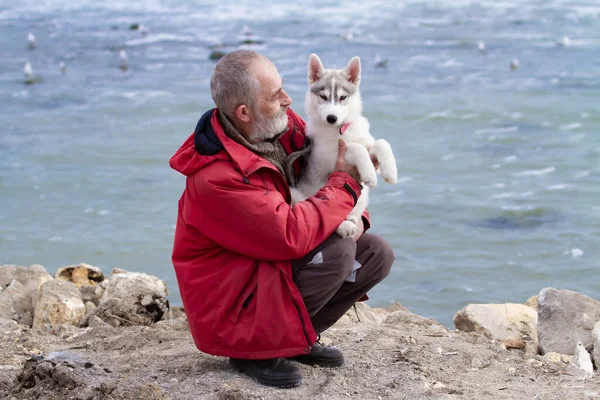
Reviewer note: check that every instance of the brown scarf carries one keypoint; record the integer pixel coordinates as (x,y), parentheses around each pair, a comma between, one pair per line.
(271,151)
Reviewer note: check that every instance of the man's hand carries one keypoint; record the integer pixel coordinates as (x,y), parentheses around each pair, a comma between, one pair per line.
(342,165)
(375,161)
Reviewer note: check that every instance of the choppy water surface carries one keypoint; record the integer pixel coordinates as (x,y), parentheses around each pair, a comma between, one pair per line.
(499,174)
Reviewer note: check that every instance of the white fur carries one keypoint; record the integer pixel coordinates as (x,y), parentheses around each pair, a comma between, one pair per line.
(324,135)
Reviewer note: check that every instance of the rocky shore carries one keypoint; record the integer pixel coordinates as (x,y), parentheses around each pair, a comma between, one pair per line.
(82,335)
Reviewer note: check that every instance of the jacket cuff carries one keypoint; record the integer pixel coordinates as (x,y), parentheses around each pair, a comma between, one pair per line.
(345,181)
(366,218)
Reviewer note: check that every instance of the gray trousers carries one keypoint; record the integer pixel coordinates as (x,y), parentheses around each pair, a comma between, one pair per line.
(328,278)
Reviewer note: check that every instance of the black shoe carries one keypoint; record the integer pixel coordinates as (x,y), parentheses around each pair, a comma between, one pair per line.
(277,372)
(323,356)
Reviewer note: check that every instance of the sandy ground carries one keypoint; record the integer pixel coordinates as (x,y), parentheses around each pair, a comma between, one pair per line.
(394,356)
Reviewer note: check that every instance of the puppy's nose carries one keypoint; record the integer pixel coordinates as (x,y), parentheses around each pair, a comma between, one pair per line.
(331,119)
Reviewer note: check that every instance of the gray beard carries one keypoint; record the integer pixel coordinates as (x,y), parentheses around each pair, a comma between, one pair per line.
(265,129)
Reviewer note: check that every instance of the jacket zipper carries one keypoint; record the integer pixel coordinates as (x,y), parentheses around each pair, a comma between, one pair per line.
(301,321)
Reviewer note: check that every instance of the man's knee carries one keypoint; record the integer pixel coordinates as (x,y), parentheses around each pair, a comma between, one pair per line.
(378,248)
(341,254)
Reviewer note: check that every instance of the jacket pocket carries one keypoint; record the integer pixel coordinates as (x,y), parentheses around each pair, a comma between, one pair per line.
(246,299)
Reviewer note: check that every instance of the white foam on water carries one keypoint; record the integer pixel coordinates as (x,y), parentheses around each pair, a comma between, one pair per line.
(395,193)
(160,37)
(103,212)
(575,252)
(141,94)
(421,59)
(560,186)
(485,131)
(582,174)
(512,195)
(570,127)
(55,239)
(449,64)
(449,157)
(445,114)
(441,43)
(509,159)
(536,172)
(404,179)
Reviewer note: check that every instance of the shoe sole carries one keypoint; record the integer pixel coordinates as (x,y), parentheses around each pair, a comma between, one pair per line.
(278,383)
(323,362)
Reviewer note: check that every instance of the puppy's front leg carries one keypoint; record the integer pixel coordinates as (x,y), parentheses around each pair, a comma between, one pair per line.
(382,151)
(349,227)
(358,155)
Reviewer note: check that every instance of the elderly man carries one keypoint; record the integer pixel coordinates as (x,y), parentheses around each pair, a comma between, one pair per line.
(260,279)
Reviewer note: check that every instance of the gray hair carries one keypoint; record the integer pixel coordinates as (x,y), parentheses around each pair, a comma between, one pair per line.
(232,83)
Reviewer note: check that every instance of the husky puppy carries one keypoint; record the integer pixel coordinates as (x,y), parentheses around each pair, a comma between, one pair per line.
(334,109)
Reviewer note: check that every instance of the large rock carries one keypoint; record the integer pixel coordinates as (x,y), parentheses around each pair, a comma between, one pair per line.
(499,321)
(59,304)
(31,278)
(15,303)
(361,313)
(86,277)
(596,340)
(565,317)
(132,298)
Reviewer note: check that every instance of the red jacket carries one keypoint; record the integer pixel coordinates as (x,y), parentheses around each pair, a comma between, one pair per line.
(235,236)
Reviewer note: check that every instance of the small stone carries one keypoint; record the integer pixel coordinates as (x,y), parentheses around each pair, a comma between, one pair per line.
(512,370)
(555,358)
(513,343)
(174,380)
(107,387)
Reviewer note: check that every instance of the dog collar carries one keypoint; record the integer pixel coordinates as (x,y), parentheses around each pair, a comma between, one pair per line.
(344,127)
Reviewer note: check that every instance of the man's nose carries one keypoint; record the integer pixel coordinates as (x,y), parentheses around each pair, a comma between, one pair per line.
(286,100)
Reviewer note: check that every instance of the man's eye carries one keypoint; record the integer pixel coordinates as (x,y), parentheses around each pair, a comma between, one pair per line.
(323,96)
(344,97)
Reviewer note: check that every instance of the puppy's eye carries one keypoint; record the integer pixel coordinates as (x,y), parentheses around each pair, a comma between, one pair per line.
(323,96)
(344,97)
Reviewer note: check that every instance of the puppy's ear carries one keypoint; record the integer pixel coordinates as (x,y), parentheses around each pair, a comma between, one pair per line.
(352,71)
(315,69)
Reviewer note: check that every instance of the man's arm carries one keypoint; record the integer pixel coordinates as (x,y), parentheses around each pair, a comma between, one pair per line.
(260,224)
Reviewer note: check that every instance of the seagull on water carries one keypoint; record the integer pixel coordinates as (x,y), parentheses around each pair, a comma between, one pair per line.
(481,47)
(123,60)
(28,71)
(380,62)
(31,42)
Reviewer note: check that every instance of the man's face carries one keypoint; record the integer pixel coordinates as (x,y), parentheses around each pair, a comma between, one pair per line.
(270,119)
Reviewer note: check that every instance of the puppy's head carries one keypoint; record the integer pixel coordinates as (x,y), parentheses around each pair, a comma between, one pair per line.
(333,96)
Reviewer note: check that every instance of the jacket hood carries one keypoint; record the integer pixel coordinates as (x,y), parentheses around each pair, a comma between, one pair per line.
(209,143)
(200,149)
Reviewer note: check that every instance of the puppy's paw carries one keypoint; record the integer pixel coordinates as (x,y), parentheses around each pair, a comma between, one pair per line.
(370,179)
(347,229)
(390,174)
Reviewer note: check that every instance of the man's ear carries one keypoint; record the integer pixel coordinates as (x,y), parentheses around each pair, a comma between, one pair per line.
(242,112)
